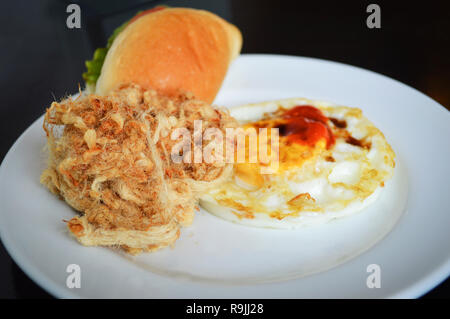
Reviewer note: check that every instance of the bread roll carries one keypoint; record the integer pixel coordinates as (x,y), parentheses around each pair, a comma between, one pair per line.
(172,50)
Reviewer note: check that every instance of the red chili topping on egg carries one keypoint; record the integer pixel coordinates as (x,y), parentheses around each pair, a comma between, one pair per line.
(305,124)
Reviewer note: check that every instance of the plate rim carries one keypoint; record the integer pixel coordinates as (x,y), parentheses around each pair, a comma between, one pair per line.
(417,289)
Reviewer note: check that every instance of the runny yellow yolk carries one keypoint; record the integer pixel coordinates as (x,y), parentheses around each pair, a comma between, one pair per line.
(304,133)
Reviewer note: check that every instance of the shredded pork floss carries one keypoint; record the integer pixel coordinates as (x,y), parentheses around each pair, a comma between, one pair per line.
(109,158)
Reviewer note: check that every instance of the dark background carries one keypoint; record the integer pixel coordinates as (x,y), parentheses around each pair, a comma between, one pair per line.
(42,60)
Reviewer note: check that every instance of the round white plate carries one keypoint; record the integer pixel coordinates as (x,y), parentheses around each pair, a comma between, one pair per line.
(404,234)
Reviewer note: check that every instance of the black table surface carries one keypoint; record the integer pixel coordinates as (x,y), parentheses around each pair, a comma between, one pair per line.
(42,60)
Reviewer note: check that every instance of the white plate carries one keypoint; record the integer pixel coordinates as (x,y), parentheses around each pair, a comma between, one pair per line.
(405,233)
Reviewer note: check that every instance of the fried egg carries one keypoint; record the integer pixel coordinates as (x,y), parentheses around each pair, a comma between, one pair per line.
(332,162)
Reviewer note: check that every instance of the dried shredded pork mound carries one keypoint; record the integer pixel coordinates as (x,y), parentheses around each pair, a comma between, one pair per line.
(109,158)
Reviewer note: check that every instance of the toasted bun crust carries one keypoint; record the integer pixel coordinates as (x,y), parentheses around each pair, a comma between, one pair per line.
(172,50)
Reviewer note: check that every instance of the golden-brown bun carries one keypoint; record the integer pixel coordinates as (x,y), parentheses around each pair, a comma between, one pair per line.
(172,50)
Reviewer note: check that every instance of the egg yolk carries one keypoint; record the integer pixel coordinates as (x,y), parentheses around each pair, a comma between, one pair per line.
(303,133)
